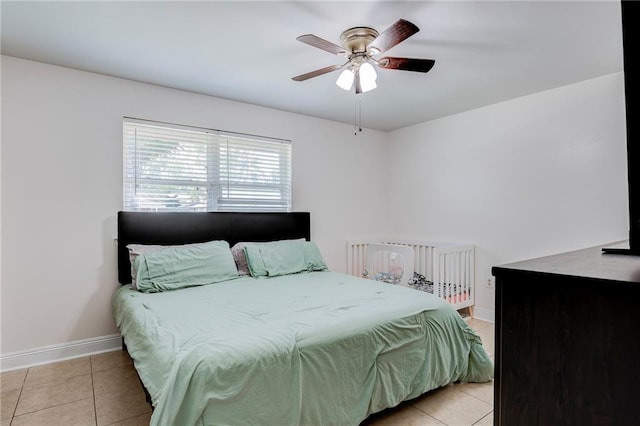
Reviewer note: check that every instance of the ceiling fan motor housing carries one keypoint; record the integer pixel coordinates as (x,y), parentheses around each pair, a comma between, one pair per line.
(356,39)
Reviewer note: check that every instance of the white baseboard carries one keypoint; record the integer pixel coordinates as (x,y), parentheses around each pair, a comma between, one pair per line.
(59,352)
(484,314)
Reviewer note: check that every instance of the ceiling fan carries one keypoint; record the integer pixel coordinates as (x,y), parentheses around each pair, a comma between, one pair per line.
(359,45)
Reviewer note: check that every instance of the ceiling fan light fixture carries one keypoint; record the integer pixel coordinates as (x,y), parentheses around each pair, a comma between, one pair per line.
(345,80)
(368,77)
(360,45)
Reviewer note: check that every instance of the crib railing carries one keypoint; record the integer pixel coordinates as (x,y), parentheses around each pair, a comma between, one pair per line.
(451,267)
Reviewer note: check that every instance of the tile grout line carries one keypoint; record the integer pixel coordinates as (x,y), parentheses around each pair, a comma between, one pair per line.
(19,396)
(430,415)
(48,384)
(48,408)
(57,379)
(483,417)
(117,367)
(51,383)
(93,392)
(465,393)
(473,396)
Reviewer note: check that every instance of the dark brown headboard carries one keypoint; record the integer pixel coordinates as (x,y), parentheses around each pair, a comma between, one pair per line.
(172,228)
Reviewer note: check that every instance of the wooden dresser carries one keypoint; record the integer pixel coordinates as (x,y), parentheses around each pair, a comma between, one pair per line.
(568,340)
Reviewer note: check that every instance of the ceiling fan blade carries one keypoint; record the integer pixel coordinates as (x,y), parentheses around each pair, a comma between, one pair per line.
(323,44)
(316,73)
(406,64)
(399,31)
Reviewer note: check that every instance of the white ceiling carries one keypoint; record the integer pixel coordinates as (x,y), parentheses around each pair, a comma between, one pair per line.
(485,51)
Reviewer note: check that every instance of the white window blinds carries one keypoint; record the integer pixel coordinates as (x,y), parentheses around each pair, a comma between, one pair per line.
(169,167)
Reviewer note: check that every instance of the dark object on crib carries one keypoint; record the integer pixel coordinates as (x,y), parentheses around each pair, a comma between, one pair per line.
(420,282)
(387,277)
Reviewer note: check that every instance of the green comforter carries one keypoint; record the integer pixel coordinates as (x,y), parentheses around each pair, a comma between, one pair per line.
(316,348)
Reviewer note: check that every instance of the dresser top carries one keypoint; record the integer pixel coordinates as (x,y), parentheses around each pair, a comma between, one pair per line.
(585,263)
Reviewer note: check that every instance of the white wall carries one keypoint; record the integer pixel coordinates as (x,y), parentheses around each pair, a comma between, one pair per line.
(62,186)
(533,176)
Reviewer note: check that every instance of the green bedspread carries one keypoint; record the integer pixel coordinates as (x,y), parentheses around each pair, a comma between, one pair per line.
(316,348)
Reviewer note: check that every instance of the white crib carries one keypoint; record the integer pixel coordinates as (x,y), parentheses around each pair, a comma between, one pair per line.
(450,267)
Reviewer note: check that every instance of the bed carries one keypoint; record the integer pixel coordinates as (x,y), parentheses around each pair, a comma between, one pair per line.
(304,348)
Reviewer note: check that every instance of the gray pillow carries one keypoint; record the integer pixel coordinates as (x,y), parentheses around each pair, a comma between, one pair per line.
(240,258)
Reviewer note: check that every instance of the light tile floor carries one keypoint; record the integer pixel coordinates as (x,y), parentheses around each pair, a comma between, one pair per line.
(104,390)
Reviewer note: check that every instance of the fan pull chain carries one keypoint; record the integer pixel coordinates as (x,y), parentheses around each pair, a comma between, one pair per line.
(357,119)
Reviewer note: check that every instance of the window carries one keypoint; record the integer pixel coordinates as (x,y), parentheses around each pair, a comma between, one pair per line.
(169,167)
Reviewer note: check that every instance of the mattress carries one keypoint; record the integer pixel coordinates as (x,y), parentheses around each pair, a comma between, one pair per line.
(302,349)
